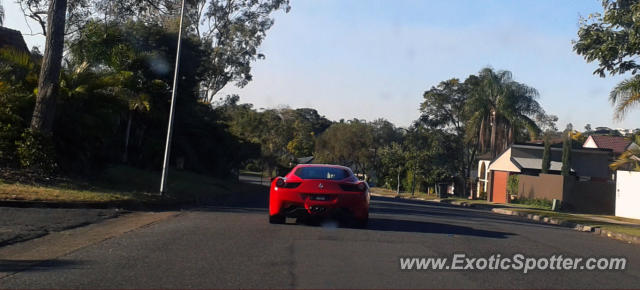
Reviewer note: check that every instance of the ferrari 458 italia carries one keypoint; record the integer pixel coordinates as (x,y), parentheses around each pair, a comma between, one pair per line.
(317,191)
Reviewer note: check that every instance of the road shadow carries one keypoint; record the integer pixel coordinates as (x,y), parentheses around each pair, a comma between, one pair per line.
(393,225)
(13,266)
(396,206)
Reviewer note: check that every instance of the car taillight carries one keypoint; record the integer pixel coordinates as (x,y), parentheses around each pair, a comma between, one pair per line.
(291,184)
(362,186)
(283,184)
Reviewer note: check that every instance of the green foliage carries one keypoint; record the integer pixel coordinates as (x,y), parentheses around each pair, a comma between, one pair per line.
(350,143)
(277,135)
(539,203)
(393,159)
(613,40)
(546,155)
(512,184)
(36,152)
(502,110)
(18,80)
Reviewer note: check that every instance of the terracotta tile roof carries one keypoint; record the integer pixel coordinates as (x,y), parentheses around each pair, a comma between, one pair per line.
(615,143)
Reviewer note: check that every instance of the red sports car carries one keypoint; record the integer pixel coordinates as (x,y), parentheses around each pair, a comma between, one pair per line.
(318,190)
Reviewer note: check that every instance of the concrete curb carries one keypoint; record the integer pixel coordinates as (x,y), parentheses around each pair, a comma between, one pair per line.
(578,227)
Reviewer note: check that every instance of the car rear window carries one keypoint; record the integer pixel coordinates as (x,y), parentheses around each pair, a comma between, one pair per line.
(329,173)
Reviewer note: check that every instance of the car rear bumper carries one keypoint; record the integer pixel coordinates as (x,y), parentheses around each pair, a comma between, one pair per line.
(293,204)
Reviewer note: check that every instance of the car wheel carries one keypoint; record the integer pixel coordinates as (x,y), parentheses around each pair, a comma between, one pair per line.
(276,219)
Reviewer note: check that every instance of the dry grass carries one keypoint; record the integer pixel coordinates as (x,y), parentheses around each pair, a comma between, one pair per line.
(127,184)
(23,192)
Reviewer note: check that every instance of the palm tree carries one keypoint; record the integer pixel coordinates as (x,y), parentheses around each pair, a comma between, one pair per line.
(625,95)
(630,159)
(500,109)
(126,85)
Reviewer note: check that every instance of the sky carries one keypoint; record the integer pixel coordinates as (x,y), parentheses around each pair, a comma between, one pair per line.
(371,59)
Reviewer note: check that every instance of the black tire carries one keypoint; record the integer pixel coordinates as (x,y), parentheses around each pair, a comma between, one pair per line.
(276,219)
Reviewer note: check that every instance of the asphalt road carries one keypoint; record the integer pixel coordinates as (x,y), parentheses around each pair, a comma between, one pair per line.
(20,224)
(235,247)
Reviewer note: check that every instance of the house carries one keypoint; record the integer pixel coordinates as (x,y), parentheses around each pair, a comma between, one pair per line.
(587,164)
(615,143)
(10,38)
(483,174)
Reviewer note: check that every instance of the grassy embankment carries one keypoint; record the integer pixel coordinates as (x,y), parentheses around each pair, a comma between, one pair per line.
(122,184)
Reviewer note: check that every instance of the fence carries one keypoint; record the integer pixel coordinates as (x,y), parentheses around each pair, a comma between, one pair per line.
(578,196)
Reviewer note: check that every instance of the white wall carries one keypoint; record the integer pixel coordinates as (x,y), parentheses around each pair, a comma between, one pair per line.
(628,194)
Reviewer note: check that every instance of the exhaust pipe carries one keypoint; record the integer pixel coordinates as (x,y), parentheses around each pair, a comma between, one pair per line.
(317,209)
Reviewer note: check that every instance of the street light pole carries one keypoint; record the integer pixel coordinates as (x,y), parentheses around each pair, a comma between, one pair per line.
(167,149)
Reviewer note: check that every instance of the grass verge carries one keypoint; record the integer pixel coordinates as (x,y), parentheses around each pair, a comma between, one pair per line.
(121,184)
(392,193)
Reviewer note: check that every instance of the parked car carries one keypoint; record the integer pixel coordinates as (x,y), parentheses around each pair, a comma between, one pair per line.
(319,191)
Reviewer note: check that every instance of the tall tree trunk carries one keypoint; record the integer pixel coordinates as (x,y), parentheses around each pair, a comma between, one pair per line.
(48,83)
(494,124)
(125,155)
(483,146)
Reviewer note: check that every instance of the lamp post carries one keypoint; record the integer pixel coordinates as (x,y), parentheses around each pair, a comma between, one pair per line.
(167,149)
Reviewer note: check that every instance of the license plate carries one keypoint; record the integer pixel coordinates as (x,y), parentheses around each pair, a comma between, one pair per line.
(319,197)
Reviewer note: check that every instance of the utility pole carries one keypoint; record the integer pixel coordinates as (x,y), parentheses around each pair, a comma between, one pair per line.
(167,148)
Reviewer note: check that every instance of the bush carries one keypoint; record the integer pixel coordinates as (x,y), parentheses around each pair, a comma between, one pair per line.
(35,152)
(539,203)
(512,185)
(8,136)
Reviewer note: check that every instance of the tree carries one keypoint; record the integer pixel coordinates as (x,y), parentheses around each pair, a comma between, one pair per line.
(566,153)
(501,110)
(444,108)
(1,15)
(394,159)
(613,40)
(233,30)
(348,143)
(587,127)
(48,82)
(546,155)
(302,143)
